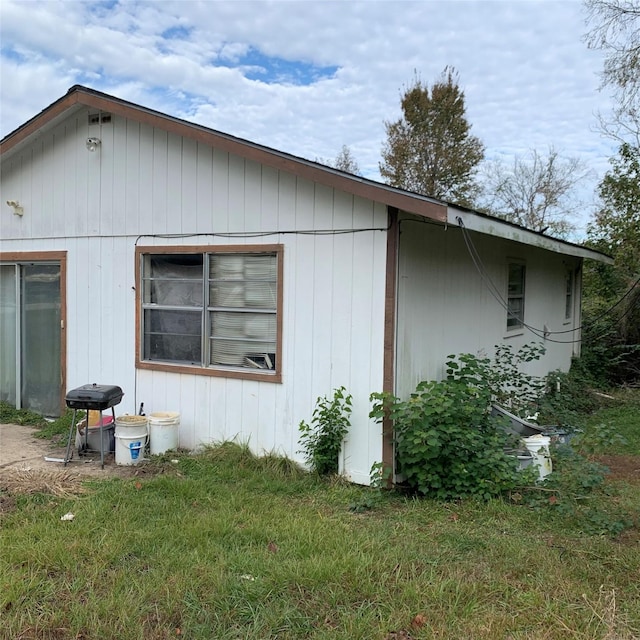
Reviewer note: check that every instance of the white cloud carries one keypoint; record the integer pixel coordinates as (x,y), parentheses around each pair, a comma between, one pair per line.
(529,79)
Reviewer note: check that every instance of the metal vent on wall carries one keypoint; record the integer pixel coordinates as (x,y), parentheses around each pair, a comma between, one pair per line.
(99,118)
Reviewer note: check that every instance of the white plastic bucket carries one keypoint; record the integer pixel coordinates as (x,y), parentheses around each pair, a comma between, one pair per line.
(538,446)
(131,437)
(163,431)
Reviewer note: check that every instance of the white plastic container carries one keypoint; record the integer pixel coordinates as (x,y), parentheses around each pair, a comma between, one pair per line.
(538,446)
(132,433)
(164,429)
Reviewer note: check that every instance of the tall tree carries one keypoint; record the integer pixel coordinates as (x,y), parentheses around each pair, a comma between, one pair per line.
(615,28)
(536,191)
(612,294)
(612,309)
(430,149)
(616,227)
(344,161)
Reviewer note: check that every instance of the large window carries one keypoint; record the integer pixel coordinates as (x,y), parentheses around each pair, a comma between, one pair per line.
(214,309)
(515,295)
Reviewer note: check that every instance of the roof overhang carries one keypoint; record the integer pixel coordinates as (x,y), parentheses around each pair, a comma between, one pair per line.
(495,227)
(79,97)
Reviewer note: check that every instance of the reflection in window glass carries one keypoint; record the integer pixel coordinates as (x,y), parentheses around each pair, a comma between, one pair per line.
(226,318)
(515,296)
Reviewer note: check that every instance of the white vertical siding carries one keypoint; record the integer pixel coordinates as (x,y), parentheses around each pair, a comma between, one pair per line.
(445,307)
(144,182)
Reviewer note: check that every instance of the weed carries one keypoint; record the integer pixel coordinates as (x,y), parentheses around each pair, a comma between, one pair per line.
(599,437)
(11,415)
(509,384)
(322,439)
(379,476)
(577,495)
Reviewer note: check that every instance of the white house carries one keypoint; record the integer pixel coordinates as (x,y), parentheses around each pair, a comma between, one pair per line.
(235,284)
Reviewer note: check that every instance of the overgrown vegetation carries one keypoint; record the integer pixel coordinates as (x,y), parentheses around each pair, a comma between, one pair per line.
(576,495)
(448,445)
(225,544)
(322,440)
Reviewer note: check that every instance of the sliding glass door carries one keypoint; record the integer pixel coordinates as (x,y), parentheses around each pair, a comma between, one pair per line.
(30,336)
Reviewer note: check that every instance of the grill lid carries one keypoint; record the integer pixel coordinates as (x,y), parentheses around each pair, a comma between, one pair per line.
(94,396)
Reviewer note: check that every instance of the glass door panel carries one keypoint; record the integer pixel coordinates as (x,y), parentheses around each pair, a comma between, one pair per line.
(8,335)
(40,358)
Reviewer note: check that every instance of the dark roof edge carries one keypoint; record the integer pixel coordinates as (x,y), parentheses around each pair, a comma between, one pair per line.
(414,203)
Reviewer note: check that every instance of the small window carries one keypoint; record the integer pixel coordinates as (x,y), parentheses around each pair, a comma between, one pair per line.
(568,300)
(213,310)
(515,296)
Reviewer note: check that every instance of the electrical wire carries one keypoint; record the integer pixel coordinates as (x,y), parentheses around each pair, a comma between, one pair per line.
(262,234)
(540,333)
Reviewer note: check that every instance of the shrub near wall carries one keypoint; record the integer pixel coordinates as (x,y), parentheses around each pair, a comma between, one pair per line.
(447,444)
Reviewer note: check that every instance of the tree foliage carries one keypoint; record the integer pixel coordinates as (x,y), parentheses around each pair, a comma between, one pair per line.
(615,28)
(535,191)
(616,231)
(430,149)
(345,161)
(616,228)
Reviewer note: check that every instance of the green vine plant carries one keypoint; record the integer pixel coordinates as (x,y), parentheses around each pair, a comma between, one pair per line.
(322,440)
(510,385)
(448,445)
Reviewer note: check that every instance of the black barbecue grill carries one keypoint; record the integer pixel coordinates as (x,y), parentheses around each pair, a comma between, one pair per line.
(94,397)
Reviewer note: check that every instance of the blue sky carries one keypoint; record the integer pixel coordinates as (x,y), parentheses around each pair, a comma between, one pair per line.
(307,77)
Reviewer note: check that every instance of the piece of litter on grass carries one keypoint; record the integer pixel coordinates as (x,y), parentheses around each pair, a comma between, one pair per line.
(175,461)
(246,576)
(67,516)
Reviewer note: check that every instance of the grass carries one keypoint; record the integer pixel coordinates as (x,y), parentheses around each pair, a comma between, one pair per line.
(621,418)
(47,429)
(226,545)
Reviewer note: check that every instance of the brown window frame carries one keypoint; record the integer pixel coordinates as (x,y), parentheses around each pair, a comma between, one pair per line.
(263,375)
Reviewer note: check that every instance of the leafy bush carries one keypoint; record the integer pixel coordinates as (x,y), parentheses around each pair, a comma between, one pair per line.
(576,493)
(509,384)
(447,443)
(322,439)
(567,397)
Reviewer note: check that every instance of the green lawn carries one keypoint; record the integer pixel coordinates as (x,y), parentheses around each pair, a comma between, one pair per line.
(227,546)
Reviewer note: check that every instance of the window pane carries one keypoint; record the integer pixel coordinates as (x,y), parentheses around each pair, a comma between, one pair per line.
(173,335)
(8,338)
(515,296)
(240,294)
(243,339)
(243,280)
(174,280)
(516,312)
(568,296)
(516,279)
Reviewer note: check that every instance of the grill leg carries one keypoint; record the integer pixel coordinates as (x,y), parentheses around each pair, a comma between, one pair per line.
(101,431)
(67,457)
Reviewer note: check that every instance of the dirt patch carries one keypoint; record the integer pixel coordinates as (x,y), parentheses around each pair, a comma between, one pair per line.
(25,470)
(21,450)
(621,467)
